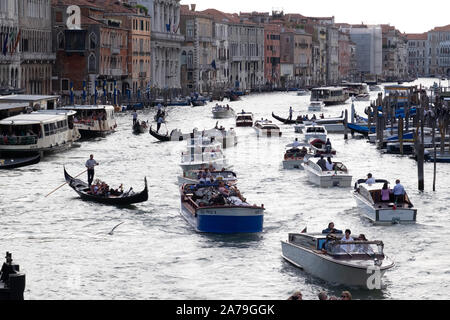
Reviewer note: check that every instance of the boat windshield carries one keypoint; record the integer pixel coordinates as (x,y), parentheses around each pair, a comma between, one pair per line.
(353,248)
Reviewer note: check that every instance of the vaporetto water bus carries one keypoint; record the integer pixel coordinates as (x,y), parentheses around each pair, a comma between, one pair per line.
(36,132)
(94,120)
(329,95)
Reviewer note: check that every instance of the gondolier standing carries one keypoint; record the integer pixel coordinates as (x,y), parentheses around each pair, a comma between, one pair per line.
(90,164)
(160,121)
(290,113)
(134,117)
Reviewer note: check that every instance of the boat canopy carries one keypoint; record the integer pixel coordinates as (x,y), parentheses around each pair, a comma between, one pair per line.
(33,118)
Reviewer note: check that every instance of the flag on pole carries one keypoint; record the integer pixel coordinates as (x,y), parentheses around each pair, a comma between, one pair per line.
(115,92)
(96,92)
(17,42)
(213,64)
(71,93)
(84,91)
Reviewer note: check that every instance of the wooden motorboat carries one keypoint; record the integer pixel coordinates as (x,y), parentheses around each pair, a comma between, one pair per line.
(294,158)
(338,177)
(368,198)
(244,119)
(265,128)
(222,112)
(126,198)
(346,263)
(12,163)
(315,132)
(318,148)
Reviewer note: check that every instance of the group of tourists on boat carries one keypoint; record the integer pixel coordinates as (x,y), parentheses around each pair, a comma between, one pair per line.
(214,191)
(100,188)
(334,235)
(345,295)
(22,137)
(89,118)
(398,191)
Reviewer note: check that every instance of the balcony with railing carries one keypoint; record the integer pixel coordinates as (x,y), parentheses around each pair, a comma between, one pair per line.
(115,50)
(166,36)
(142,74)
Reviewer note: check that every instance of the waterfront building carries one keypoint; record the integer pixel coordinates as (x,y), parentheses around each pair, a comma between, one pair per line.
(138,24)
(417,54)
(368,41)
(394,54)
(272,51)
(198,52)
(296,58)
(438,39)
(26,57)
(332,55)
(10,75)
(96,54)
(166,42)
(34,39)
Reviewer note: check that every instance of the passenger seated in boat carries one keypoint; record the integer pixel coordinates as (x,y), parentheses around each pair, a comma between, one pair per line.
(223,190)
(370,179)
(296,144)
(329,165)
(322,163)
(322,116)
(363,248)
(331,229)
(347,238)
(386,193)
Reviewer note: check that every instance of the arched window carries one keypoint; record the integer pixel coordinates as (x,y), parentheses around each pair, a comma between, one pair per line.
(61,41)
(190,59)
(183,57)
(92,63)
(92,41)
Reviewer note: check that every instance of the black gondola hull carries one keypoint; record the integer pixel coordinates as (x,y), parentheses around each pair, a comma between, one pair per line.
(81,187)
(286,121)
(12,163)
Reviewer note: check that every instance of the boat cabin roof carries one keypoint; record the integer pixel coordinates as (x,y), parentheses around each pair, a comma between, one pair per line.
(329,88)
(315,129)
(88,107)
(33,118)
(11,106)
(376,186)
(26,98)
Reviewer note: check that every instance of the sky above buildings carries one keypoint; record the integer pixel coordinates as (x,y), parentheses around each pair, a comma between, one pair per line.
(410,16)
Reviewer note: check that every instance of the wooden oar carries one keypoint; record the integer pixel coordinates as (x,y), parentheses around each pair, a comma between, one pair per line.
(65,183)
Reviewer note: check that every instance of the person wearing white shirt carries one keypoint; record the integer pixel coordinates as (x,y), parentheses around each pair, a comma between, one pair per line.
(296,144)
(347,238)
(370,179)
(90,164)
(329,165)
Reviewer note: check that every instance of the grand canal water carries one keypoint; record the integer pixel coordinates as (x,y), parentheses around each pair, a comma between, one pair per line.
(63,246)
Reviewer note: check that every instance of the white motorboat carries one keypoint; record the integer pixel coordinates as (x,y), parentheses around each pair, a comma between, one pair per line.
(203,153)
(315,132)
(332,124)
(222,112)
(357,263)
(40,131)
(295,156)
(94,120)
(338,177)
(244,119)
(266,128)
(369,200)
(193,177)
(316,106)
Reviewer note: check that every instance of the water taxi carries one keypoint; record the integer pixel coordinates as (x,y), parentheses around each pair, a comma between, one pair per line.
(94,120)
(294,157)
(265,128)
(315,132)
(244,119)
(208,210)
(368,198)
(194,176)
(324,256)
(222,112)
(36,132)
(337,177)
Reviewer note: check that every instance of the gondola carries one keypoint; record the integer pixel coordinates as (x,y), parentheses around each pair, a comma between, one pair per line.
(286,121)
(12,163)
(125,199)
(138,128)
(160,137)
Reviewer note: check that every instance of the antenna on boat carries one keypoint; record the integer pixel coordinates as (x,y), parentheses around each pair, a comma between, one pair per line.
(112,231)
